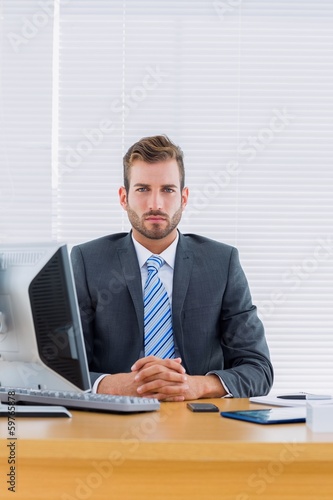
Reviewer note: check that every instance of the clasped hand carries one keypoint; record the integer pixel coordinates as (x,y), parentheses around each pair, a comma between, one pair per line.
(163,379)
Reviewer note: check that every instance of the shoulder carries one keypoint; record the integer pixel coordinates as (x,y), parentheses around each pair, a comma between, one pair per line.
(106,240)
(195,242)
(208,256)
(104,244)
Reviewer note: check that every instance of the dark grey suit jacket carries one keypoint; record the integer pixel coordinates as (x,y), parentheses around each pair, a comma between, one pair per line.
(215,325)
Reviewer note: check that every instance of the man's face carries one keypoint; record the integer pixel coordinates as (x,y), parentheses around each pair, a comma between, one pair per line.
(154,202)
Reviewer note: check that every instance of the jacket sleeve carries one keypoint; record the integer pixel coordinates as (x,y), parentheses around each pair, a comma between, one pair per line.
(247,368)
(86,307)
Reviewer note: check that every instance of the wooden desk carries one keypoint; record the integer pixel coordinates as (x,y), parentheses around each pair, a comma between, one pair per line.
(171,454)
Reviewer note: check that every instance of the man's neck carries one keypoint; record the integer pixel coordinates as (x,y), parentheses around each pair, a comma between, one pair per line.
(155,246)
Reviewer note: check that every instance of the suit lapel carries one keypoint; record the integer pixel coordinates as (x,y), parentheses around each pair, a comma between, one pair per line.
(132,275)
(181,279)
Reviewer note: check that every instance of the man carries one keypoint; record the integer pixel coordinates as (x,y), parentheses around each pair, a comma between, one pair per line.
(181,326)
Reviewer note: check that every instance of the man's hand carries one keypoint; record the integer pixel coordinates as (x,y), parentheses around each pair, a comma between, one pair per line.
(120,384)
(165,379)
(150,377)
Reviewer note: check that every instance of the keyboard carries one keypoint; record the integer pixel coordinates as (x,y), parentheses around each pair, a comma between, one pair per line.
(79,400)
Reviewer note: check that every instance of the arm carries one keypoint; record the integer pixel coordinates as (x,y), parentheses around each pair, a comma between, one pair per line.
(87,310)
(248,370)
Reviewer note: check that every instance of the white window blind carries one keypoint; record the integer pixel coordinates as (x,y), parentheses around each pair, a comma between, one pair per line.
(245,89)
(26,48)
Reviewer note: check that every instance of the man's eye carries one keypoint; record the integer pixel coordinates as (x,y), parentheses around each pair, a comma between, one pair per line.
(169,190)
(141,190)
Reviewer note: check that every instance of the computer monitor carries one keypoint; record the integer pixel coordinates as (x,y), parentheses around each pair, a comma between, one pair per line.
(41,341)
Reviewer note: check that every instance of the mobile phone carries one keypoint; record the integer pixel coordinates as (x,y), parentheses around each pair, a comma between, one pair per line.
(202,407)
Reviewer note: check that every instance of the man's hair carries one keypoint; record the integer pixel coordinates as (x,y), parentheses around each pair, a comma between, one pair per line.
(152,150)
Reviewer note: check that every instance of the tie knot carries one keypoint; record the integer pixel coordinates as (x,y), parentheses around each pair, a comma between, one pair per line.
(154,263)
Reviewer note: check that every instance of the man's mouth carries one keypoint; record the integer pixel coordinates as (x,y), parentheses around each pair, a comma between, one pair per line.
(155,218)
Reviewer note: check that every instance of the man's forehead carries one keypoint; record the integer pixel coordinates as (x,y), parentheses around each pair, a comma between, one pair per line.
(169,164)
(164,173)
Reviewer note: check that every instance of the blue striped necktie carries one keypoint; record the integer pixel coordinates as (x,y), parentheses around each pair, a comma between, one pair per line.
(157,313)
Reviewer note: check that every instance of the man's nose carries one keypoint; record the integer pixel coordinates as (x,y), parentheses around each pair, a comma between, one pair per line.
(155,201)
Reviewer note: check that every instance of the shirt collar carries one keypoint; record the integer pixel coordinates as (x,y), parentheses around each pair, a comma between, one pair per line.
(169,254)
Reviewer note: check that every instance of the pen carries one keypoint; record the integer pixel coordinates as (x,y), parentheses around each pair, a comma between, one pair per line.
(292,396)
(305,396)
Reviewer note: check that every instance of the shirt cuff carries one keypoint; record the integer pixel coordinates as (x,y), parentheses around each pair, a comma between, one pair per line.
(95,386)
(228,395)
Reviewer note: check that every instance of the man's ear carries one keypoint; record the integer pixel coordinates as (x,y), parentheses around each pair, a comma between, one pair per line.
(185,194)
(123,197)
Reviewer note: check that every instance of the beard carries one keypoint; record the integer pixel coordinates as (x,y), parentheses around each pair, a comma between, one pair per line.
(157,230)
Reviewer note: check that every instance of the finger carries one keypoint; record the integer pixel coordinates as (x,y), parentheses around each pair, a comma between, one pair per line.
(140,363)
(173,364)
(162,387)
(159,372)
(160,368)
